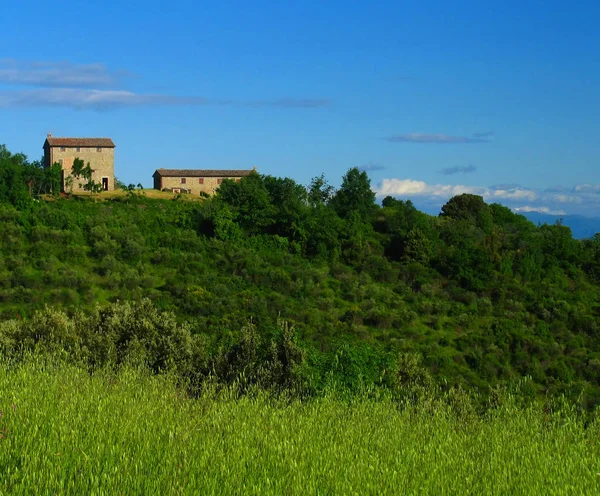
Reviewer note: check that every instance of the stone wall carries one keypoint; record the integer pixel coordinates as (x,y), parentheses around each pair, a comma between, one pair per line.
(102,162)
(194,184)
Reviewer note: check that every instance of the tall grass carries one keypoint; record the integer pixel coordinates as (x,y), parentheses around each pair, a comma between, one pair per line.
(65,431)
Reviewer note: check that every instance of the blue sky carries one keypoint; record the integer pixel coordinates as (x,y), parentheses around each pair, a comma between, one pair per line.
(433,98)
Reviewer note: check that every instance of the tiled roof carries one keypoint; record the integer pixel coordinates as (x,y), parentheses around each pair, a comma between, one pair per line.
(81,142)
(201,173)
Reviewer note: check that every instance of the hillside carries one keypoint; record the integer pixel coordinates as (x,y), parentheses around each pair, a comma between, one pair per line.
(481,294)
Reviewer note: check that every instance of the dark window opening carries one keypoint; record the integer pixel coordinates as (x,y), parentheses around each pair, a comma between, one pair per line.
(105,183)
(183,180)
(98,149)
(201,180)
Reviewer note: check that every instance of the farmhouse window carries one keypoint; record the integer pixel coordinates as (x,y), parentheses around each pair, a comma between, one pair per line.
(183,180)
(78,149)
(219,181)
(62,149)
(201,180)
(99,149)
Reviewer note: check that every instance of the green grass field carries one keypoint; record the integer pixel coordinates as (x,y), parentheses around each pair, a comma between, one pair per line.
(121,193)
(66,432)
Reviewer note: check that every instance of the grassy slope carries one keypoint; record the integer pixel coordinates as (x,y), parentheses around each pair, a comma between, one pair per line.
(121,193)
(66,432)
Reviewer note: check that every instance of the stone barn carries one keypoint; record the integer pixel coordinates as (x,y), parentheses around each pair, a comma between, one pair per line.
(99,152)
(195,181)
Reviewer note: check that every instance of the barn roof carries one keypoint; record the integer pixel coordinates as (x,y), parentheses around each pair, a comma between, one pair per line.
(81,142)
(202,173)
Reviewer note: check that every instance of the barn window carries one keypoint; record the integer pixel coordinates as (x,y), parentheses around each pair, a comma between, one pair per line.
(78,149)
(183,180)
(62,149)
(201,180)
(219,181)
(99,149)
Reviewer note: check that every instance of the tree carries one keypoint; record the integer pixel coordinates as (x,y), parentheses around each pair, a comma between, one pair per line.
(13,180)
(591,256)
(289,200)
(417,247)
(469,207)
(69,184)
(320,192)
(52,176)
(249,201)
(355,194)
(397,219)
(86,172)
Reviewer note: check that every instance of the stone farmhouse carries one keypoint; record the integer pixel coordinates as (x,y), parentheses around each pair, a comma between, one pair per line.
(99,152)
(195,181)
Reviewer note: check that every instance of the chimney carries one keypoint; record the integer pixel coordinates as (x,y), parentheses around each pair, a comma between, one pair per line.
(255,168)
(49,135)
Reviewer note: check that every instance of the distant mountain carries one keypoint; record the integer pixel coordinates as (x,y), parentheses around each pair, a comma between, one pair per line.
(582,227)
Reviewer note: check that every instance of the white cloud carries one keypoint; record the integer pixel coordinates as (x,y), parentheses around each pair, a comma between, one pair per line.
(85,86)
(583,198)
(564,198)
(94,99)
(512,194)
(105,99)
(58,74)
(405,187)
(587,188)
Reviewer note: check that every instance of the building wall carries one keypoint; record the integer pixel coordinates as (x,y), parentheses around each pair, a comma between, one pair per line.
(211,184)
(103,163)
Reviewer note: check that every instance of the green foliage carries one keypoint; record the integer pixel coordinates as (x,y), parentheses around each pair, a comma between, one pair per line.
(481,294)
(355,195)
(320,192)
(250,201)
(470,208)
(81,171)
(120,184)
(53,175)
(13,177)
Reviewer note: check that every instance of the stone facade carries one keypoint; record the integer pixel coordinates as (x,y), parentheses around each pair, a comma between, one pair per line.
(99,152)
(195,181)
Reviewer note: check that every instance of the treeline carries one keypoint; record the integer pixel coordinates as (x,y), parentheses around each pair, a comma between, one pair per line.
(482,294)
(21,180)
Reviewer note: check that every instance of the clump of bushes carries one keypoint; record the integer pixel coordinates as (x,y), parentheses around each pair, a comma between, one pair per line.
(137,333)
(268,358)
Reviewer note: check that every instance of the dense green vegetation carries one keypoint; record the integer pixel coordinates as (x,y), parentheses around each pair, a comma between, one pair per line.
(269,271)
(64,431)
